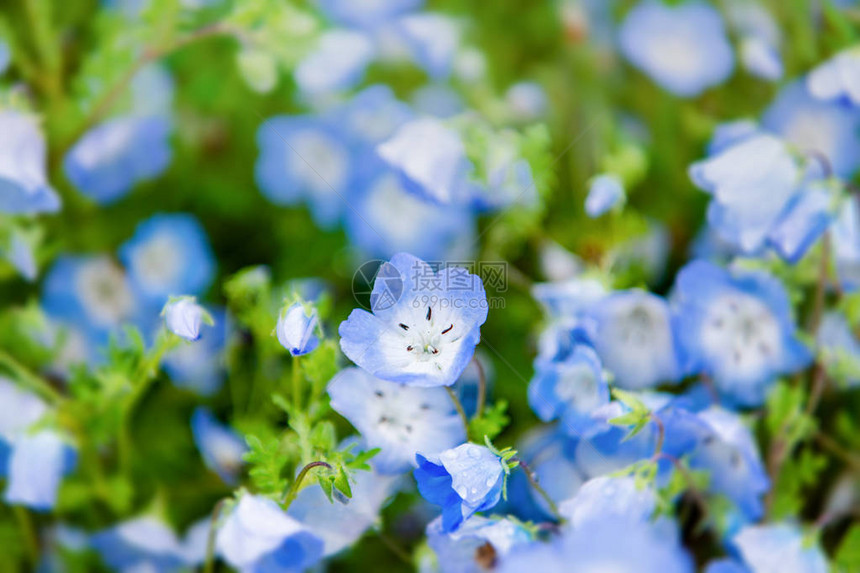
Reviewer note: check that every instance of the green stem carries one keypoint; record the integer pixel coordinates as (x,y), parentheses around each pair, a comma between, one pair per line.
(543,493)
(297,385)
(209,566)
(31,540)
(297,484)
(33,381)
(459,407)
(482,387)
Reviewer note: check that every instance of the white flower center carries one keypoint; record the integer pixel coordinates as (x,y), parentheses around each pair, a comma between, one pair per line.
(741,330)
(103,292)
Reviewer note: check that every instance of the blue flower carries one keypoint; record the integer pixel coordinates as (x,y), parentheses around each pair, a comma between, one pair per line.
(148,544)
(19,411)
(837,78)
(604,193)
(200,367)
(24,187)
(339,525)
(760,39)
(114,156)
(36,467)
(386,219)
(683,47)
(373,114)
(526,100)
(20,254)
(184,317)
(729,133)
(466,550)
(367,13)
(305,158)
(5,56)
(609,495)
(169,254)
(432,160)
(570,389)
(839,348)
(337,64)
(221,447)
(259,536)
(725,566)
(400,420)
(737,329)
(727,450)
(751,183)
(570,298)
(817,127)
(433,40)
(761,59)
(424,326)
(779,547)
(296,329)
(632,333)
(806,217)
(646,548)
(464,481)
(845,234)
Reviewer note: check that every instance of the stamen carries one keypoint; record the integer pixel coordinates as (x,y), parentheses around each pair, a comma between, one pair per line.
(379,393)
(409,348)
(403,326)
(447,330)
(429,312)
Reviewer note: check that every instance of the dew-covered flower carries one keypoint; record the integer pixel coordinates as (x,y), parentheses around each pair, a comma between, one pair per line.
(259,536)
(837,78)
(478,545)
(821,128)
(463,480)
(431,159)
(569,389)
(339,525)
(737,328)
(169,254)
(305,158)
(682,47)
(646,548)
(221,447)
(184,317)
(296,329)
(114,156)
(604,193)
(337,64)
(727,450)
(778,547)
(24,187)
(632,333)
(609,495)
(400,420)
(424,325)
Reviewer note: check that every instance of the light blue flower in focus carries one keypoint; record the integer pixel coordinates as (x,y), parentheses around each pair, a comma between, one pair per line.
(221,447)
(169,254)
(184,317)
(296,329)
(24,187)
(424,324)
(683,47)
(463,480)
(259,536)
(400,420)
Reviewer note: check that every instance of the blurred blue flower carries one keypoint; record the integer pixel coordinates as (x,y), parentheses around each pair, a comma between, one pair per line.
(845,234)
(437,100)
(432,39)
(837,78)
(169,254)
(683,47)
(466,551)
(779,547)
(730,133)
(424,325)
(5,56)
(400,420)
(259,536)
(373,114)
(806,217)
(367,13)
(526,100)
(570,389)
(760,39)
(24,187)
(838,346)
(609,495)
(432,160)
(184,317)
(200,367)
(632,333)
(726,566)
(114,156)
(19,411)
(21,255)
(36,466)
(828,129)
(305,158)
(604,193)
(148,544)
(736,328)
(337,64)
(221,447)
(296,329)
(463,480)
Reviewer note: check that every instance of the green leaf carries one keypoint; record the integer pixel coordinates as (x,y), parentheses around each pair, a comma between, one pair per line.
(847,557)
(341,481)
(265,461)
(491,423)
